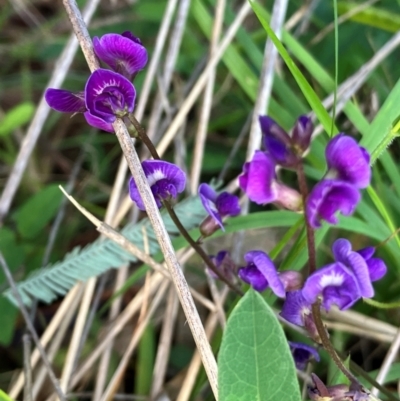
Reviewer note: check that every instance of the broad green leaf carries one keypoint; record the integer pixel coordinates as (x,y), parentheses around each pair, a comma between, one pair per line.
(34,215)
(16,117)
(255,362)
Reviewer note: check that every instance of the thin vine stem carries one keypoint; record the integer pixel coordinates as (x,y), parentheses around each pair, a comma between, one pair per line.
(316,309)
(194,244)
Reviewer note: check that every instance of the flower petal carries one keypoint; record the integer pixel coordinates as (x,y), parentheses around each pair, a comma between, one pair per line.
(251,275)
(335,283)
(157,170)
(208,198)
(227,204)
(258,178)
(329,197)
(295,308)
(65,101)
(302,353)
(302,132)
(123,53)
(349,160)
(266,266)
(108,95)
(98,123)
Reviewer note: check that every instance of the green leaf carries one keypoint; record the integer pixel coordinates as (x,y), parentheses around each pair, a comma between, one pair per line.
(16,117)
(145,362)
(255,362)
(383,129)
(34,215)
(9,315)
(304,86)
(372,16)
(4,396)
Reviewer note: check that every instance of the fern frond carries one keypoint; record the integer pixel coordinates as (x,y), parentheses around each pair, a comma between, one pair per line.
(49,282)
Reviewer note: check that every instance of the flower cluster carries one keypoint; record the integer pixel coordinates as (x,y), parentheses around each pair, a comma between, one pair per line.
(107,94)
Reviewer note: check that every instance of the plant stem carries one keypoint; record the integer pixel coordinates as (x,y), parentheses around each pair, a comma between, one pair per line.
(316,309)
(194,244)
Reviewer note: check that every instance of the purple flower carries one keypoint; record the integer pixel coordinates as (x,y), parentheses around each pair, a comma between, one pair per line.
(218,206)
(261,273)
(296,308)
(301,134)
(376,267)
(225,264)
(259,183)
(347,161)
(329,197)
(124,53)
(302,354)
(165,180)
(277,143)
(65,101)
(109,95)
(345,281)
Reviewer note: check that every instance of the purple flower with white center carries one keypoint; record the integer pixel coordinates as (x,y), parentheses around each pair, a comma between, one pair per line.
(345,281)
(329,197)
(218,206)
(277,143)
(302,354)
(347,161)
(166,180)
(109,95)
(124,53)
(261,273)
(259,183)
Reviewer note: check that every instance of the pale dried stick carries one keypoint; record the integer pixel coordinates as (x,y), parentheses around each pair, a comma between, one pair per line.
(357,319)
(391,355)
(218,302)
(59,316)
(115,308)
(170,61)
(207,102)
(77,333)
(117,377)
(54,346)
(122,170)
(35,128)
(152,211)
(164,344)
(202,80)
(266,77)
(348,328)
(27,367)
(30,327)
(124,317)
(195,363)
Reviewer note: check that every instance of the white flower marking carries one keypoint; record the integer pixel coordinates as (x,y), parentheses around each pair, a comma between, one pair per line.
(155,176)
(334,279)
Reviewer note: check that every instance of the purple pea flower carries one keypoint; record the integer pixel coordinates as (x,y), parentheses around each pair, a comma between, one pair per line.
(302,354)
(259,183)
(166,180)
(284,149)
(329,197)
(347,161)
(107,95)
(261,273)
(277,143)
(225,264)
(124,53)
(345,281)
(218,206)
